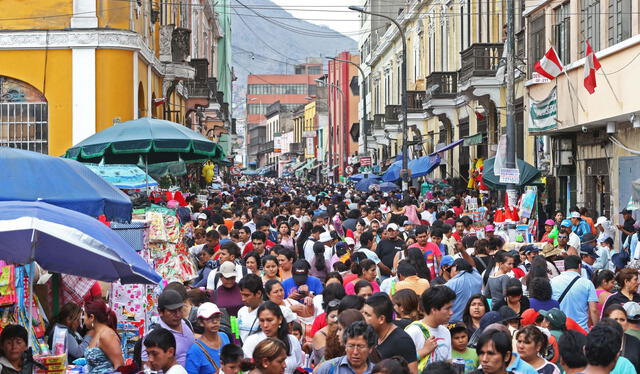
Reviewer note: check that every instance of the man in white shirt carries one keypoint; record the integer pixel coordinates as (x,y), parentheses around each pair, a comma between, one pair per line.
(574,239)
(160,345)
(429,214)
(437,302)
(252,292)
(308,245)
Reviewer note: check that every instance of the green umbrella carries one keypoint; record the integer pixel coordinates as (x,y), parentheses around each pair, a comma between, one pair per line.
(155,140)
(528,175)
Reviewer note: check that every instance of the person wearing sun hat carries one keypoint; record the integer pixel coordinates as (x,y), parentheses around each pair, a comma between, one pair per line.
(204,354)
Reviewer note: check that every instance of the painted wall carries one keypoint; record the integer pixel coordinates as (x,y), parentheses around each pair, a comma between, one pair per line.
(114,87)
(28,66)
(21,14)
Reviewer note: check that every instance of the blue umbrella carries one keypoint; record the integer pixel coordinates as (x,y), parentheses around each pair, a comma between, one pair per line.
(123,176)
(31,176)
(359,177)
(365,183)
(393,172)
(423,165)
(388,187)
(64,241)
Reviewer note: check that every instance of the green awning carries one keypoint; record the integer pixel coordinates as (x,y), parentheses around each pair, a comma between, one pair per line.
(308,164)
(473,139)
(298,165)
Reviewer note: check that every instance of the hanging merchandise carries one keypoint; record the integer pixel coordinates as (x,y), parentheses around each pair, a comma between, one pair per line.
(208,172)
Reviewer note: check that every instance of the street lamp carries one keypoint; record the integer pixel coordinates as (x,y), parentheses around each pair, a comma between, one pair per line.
(363,125)
(405,147)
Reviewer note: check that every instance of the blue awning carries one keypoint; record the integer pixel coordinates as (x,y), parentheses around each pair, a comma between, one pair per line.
(423,165)
(448,147)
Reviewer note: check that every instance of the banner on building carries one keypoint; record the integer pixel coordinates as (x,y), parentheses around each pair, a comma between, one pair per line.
(542,114)
(277,143)
(309,148)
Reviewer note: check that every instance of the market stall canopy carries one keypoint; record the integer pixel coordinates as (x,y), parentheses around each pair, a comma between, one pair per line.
(388,187)
(65,241)
(123,176)
(31,176)
(423,165)
(155,140)
(448,147)
(528,174)
(359,177)
(393,172)
(366,183)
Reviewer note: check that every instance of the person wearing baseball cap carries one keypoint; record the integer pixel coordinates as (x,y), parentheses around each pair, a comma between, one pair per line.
(589,256)
(530,251)
(579,226)
(387,248)
(445,271)
(573,240)
(170,305)
(627,227)
(203,356)
(301,284)
(633,317)
(549,228)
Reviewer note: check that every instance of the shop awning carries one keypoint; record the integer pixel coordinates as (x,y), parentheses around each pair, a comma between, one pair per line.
(298,165)
(528,174)
(448,147)
(473,139)
(308,164)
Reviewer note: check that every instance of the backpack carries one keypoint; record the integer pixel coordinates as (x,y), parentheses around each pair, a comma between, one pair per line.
(225,320)
(422,363)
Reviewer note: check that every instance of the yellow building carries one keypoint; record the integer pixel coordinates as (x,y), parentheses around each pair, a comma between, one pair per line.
(453,53)
(70,68)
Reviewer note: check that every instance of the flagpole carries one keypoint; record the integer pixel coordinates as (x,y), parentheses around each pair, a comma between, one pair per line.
(609,83)
(571,88)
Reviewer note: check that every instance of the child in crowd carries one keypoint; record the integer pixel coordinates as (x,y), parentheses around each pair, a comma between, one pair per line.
(231,357)
(459,349)
(160,345)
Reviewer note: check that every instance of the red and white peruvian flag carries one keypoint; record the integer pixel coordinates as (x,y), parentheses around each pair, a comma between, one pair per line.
(159,101)
(550,65)
(591,64)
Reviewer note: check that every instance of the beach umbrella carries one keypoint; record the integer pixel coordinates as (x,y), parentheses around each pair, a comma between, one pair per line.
(388,187)
(365,183)
(153,140)
(31,176)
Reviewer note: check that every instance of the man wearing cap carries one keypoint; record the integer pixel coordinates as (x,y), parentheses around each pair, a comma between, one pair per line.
(577,297)
(170,305)
(301,284)
(589,256)
(387,248)
(627,227)
(227,295)
(327,239)
(579,226)
(574,239)
(530,251)
(445,271)
(202,220)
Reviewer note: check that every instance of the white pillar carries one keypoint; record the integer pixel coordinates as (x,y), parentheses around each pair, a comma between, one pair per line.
(135,84)
(84,14)
(149,91)
(83,63)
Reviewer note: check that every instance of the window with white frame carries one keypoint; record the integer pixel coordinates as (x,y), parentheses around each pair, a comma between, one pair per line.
(589,24)
(619,21)
(562,32)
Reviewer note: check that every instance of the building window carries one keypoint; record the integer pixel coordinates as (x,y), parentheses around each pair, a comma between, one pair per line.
(562,33)
(619,18)
(536,41)
(589,24)
(24,116)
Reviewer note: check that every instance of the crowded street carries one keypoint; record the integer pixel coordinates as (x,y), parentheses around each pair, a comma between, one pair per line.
(319,187)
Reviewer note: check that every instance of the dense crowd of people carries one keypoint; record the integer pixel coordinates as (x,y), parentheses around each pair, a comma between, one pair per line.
(338,281)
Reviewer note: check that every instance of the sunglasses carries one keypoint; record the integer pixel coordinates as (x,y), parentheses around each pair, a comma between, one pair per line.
(562,237)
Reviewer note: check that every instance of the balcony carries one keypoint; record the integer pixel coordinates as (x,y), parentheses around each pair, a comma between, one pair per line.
(297,148)
(175,48)
(414,101)
(442,85)
(391,114)
(201,87)
(265,147)
(480,60)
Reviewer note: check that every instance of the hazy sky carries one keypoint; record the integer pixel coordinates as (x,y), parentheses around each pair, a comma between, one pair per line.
(332,13)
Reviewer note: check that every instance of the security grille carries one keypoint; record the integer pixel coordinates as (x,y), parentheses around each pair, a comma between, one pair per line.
(24,126)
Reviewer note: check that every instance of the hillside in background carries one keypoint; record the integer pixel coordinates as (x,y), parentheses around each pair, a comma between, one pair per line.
(275,43)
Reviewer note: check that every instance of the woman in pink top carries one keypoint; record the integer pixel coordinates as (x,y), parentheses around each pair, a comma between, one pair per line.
(365,270)
(411,211)
(604,280)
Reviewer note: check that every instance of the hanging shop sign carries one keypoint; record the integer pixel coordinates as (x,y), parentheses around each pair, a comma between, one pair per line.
(543,113)
(277,143)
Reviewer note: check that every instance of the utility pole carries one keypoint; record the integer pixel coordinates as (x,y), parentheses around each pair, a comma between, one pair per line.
(511,126)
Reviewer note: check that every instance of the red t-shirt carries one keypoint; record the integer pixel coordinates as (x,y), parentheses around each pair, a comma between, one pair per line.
(431,252)
(249,247)
(457,236)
